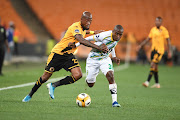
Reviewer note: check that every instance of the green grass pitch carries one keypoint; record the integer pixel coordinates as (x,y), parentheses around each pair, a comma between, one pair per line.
(138,103)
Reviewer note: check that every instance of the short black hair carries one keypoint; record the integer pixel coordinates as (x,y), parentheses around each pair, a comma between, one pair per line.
(86,14)
(118,27)
(160,18)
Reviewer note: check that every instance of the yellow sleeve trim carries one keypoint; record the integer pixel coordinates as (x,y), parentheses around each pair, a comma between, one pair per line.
(48,71)
(91,32)
(94,38)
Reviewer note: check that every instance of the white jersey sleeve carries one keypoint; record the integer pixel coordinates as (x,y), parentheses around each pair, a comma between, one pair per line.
(97,37)
(101,36)
(113,53)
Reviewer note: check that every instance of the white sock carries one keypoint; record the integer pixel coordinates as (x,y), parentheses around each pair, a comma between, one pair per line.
(113,90)
(114,97)
(157,84)
(147,83)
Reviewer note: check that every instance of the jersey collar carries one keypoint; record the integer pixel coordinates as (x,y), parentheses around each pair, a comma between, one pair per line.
(111,37)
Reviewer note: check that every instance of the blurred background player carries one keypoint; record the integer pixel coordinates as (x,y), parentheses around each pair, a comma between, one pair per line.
(3,45)
(16,37)
(98,60)
(62,56)
(158,35)
(10,35)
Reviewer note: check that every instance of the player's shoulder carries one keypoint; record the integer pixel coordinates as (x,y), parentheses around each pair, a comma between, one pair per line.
(106,33)
(153,28)
(163,28)
(76,25)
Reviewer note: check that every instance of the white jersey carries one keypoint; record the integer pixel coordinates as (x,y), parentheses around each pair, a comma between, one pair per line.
(106,38)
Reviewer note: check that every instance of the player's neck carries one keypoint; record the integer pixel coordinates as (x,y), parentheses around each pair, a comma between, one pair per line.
(158,27)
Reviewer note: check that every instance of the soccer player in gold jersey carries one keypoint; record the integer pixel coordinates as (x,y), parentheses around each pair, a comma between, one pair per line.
(158,35)
(62,56)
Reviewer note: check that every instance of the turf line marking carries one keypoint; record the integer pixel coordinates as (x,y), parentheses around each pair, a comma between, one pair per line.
(119,68)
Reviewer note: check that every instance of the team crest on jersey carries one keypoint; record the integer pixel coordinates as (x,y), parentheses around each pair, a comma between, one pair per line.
(51,69)
(76,31)
(97,36)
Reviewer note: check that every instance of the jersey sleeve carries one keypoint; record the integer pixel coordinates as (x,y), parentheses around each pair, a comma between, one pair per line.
(100,36)
(113,53)
(90,38)
(76,30)
(151,33)
(166,33)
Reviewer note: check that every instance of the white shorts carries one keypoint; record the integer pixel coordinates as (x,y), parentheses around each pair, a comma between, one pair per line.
(93,66)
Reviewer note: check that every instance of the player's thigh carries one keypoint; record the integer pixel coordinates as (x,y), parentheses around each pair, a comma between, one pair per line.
(106,65)
(54,63)
(71,63)
(92,70)
(156,57)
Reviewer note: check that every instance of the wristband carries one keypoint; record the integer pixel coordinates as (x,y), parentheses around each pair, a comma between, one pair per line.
(91,32)
(77,44)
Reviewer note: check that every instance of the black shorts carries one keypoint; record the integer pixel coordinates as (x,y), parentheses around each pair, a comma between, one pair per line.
(56,62)
(155,56)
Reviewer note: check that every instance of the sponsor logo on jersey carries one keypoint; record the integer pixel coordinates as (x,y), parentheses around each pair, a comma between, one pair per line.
(76,31)
(97,36)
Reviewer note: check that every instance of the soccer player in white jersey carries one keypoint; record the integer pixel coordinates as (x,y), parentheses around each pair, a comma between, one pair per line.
(98,60)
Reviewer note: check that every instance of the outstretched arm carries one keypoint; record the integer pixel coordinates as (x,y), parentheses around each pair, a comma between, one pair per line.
(87,43)
(90,38)
(143,43)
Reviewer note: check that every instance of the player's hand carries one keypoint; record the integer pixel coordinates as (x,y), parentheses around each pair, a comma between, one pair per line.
(72,45)
(98,31)
(103,48)
(117,60)
(169,55)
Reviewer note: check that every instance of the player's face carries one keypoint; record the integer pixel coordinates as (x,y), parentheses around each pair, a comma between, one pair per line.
(117,34)
(158,22)
(86,22)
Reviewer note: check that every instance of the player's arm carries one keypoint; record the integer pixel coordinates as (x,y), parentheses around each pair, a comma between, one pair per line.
(169,47)
(114,58)
(87,43)
(90,38)
(166,35)
(143,43)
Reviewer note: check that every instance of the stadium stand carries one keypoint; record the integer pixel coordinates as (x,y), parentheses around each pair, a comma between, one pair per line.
(136,16)
(9,14)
